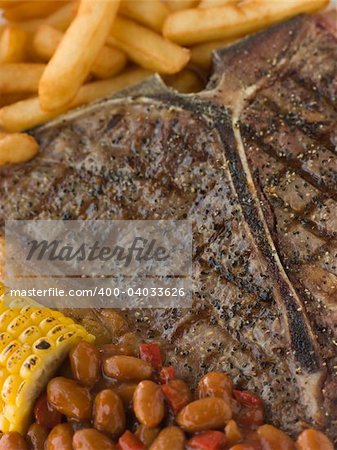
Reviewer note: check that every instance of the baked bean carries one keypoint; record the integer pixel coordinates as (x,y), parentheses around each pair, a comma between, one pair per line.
(253,439)
(146,434)
(177,394)
(129,344)
(215,384)
(45,414)
(148,403)
(70,399)
(273,439)
(76,425)
(127,368)
(104,383)
(13,441)
(37,436)
(313,440)
(109,415)
(91,439)
(204,414)
(168,439)
(85,363)
(60,438)
(250,417)
(125,392)
(107,350)
(233,433)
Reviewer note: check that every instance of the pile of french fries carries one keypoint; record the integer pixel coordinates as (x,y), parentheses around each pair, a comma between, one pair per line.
(56,55)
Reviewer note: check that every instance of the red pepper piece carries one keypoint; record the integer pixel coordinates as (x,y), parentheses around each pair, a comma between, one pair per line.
(151,353)
(167,374)
(175,398)
(128,441)
(246,398)
(209,440)
(45,414)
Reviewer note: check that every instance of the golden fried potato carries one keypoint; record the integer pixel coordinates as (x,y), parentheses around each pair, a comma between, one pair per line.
(201,54)
(28,113)
(17,148)
(20,77)
(147,48)
(76,53)
(108,63)
(31,9)
(13,45)
(199,25)
(149,13)
(185,81)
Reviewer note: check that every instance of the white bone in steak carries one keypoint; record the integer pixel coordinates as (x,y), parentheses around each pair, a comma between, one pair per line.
(252,162)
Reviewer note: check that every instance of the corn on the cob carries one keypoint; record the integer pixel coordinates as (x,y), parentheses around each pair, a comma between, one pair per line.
(33,343)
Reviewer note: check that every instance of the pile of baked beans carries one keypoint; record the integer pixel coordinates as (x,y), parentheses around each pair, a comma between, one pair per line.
(123,397)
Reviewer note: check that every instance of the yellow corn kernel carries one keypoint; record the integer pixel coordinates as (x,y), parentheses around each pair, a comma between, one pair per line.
(38,315)
(57,331)
(18,324)
(6,317)
(8,351)
(33,343)
(5,339)
(10,388)
(30,334)
(48,323)
(29,365)
(17,358)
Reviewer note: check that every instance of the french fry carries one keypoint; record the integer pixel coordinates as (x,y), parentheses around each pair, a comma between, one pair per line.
(13,43)
(20,77)
(8,99)
(147,48)
(185,81)
(151,13)
(74,57)
(60,19)
(8,3)
(17,148)
(31,10)
(201,54)
(198,25)
(108,63)
(28,113)
(212,3)
(178,5)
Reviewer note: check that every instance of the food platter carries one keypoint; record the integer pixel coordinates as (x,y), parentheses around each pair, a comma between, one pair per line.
(207,132)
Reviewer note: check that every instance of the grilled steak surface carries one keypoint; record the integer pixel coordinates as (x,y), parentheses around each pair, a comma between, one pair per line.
(252,162)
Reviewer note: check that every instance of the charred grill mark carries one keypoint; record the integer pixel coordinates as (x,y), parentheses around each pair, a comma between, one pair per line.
(300,107)
(297,167)
(294,120)
(302,217)
(310,85)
